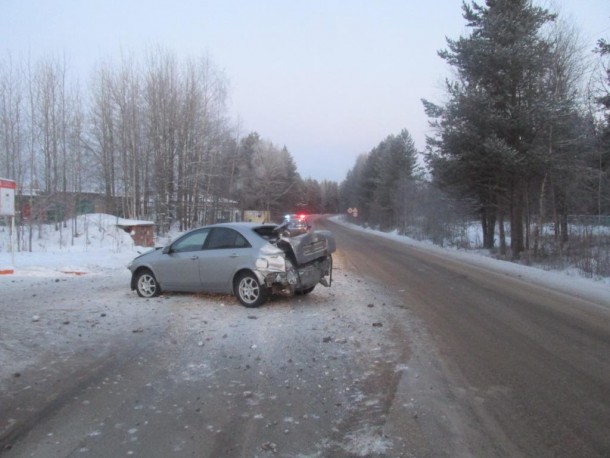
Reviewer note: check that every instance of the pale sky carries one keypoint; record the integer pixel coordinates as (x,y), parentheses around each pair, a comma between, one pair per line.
(328,79)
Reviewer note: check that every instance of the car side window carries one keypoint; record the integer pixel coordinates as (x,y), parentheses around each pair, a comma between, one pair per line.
(191,242)
(223,237)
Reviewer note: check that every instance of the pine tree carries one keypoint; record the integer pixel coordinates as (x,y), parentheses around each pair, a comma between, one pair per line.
(487,131)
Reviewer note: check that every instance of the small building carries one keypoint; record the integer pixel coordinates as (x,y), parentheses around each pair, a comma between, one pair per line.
(142,232)
(257,216)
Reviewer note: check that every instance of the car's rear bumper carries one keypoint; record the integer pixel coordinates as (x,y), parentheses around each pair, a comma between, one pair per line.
(302,277)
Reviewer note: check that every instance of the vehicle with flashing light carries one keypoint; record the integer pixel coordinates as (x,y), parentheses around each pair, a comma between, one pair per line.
(296,224)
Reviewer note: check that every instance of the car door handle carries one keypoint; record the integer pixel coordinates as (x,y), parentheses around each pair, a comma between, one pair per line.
(233,255)
(194,258)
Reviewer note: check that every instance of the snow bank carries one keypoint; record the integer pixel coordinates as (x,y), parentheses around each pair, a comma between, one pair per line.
(93,243)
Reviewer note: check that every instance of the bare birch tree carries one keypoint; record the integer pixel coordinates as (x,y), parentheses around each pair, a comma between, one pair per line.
(100,140)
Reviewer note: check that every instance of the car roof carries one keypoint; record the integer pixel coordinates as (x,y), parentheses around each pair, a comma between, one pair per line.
(242,225)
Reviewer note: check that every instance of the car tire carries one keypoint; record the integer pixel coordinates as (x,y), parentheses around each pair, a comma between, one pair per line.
(146,284)
(303,292)
(249,291)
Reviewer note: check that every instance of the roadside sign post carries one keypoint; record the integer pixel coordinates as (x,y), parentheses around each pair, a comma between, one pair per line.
(7,208)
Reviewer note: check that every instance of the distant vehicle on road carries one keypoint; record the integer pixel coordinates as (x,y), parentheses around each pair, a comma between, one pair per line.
(295,224)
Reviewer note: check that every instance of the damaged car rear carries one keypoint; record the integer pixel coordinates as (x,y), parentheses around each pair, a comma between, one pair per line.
(251,261)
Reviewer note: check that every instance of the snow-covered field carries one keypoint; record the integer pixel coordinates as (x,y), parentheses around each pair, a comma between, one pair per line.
(98,246)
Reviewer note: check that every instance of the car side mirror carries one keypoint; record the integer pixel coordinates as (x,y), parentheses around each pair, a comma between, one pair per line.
(167,249)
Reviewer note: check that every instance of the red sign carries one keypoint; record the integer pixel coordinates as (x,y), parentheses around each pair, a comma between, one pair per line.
(7,183)
(7,197)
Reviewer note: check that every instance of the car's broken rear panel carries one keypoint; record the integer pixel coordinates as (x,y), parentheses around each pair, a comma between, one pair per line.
(311,246)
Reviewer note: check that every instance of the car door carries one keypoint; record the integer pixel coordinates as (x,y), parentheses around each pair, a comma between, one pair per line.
(178,270)
(225,251)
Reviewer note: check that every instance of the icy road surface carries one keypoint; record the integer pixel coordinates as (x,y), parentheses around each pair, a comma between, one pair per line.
(89,369)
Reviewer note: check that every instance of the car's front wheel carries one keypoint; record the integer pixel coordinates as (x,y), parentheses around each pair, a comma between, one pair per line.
(146,284)
(249,291)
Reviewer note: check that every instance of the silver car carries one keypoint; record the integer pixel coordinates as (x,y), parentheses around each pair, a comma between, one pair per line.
(249,260)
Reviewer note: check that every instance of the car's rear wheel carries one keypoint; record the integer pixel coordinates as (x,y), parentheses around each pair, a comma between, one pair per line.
(146,284)
(249,291)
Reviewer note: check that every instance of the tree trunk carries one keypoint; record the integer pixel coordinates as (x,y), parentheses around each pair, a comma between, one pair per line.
(502,233)
(488,222)
(516,224)
(541,212)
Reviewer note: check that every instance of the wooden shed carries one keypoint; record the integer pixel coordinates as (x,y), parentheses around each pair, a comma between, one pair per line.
(142,232)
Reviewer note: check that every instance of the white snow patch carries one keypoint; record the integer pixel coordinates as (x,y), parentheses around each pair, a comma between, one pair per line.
(367,441)
(96,245)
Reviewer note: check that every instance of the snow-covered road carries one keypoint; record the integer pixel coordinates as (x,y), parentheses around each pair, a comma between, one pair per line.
(89,368)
